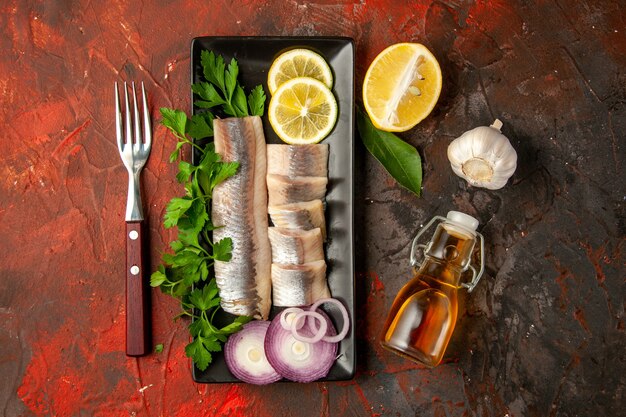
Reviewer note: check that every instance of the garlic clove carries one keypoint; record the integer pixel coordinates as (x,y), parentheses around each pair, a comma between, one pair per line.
(483,156)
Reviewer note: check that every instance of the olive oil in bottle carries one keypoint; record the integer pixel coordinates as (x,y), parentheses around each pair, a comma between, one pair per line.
(423,315)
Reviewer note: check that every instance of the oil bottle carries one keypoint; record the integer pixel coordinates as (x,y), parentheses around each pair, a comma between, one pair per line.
(423,315)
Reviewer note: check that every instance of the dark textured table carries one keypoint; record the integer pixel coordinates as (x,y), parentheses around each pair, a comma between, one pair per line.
(542,335)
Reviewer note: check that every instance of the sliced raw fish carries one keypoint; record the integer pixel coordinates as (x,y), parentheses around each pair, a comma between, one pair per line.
(240,206)
(299,285)
(306,215)
(287,190)
(298,160)
(294,246)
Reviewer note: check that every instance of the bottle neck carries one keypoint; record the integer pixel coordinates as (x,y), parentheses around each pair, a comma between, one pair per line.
(440,271)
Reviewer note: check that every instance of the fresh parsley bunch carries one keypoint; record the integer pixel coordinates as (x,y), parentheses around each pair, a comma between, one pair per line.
(185,273)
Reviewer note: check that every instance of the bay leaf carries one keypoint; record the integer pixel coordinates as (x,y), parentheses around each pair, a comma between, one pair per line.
(400,159)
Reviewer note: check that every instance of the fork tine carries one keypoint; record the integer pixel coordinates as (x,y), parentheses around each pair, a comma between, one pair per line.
(129,132)
(147,130)
(118,120)
(138,140)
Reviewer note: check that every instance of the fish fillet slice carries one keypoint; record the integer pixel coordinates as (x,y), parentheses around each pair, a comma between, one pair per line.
(299,285)
(306,215)
(287,190)
(298,160)
(240,206)
(292,246)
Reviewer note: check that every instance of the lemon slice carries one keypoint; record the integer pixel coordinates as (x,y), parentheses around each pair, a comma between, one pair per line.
(302,111)
(298,63)
(401,86)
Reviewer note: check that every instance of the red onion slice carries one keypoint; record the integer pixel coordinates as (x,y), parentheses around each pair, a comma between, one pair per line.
(299,361)
(344,314)
(319,334)
(245,354)
(286,320)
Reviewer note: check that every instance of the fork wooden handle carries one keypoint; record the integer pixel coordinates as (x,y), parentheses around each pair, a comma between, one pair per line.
(137,293)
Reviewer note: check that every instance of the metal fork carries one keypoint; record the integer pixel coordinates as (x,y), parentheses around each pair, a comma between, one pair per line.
(134,151)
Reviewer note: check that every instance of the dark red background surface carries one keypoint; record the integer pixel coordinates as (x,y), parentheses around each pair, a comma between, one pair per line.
(543,334)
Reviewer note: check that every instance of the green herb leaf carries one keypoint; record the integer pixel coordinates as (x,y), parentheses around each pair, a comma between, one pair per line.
(200,327)
(198,353)
(158,277)
(235,326)
(196,216)
(185,169)
(208,160)
(204,274)
(188,236)
(177,245)
(256,101)
(209,95)
(222,250)
(213,68)
(199,127)
(189,264)
(230,78)
(176,154)
(206,298)
(211,344)
(221,172)
(158,348)
(175,209)
(174,120)
(399,158)
(239,102)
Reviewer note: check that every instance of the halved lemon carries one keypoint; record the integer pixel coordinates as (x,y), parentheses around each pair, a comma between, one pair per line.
(298,63)
(401,86)
(302,111)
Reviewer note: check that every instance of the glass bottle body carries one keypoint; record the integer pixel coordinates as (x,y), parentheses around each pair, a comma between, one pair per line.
(423,315)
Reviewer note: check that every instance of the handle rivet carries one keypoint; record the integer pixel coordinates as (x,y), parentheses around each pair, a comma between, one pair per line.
(133,235)
(134,270)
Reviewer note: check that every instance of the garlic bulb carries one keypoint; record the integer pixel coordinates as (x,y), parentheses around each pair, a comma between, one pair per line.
(483,157)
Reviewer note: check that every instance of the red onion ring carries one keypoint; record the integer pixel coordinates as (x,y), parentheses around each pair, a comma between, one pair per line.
(283,317)
(306,364)
(344,314)
(244,353)
(319,333)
